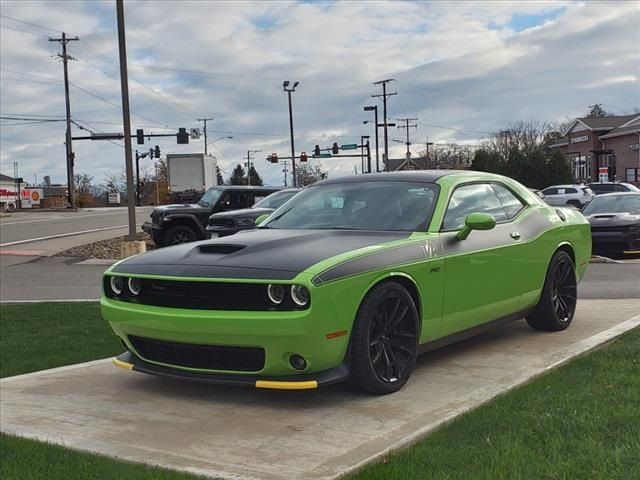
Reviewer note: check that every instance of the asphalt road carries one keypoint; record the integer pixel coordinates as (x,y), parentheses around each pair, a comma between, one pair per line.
(57,278)
(22,229)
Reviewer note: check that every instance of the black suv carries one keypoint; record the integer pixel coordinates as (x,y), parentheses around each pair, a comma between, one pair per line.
(227,223)
(174,224)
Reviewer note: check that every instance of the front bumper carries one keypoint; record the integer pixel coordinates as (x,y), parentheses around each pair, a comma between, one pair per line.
(317,334)
(129,361)
(615,242)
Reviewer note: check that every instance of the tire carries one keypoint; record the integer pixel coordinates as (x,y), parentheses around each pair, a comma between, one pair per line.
(557,304)
(178,235)
(384,341)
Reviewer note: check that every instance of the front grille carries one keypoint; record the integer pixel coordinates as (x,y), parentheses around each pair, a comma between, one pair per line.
(203,295)
(227,222)
(207,357)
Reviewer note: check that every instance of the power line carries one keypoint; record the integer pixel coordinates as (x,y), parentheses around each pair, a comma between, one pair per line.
(31,119)
(31,24)
(23,31)
(455,129)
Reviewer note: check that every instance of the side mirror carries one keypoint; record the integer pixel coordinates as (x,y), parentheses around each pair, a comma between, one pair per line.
(476,221)
(261,219)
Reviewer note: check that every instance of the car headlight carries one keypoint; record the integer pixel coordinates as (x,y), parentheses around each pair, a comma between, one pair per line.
(135,286)
(276,293)
(116,284)
(300,295)
(245,222)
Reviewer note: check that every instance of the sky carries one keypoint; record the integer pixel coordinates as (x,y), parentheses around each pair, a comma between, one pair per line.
(463,69)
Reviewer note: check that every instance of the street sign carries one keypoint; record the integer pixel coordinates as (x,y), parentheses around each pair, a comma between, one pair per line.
(322,155)
(349,146)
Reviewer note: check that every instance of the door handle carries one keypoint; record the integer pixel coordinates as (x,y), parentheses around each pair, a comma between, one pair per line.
(515,235)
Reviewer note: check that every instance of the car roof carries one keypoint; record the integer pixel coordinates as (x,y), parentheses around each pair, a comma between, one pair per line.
(575,185)
(428,176)
(612,194)
(247,187)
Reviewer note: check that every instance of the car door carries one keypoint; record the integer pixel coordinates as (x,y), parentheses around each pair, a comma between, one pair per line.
(550,195)
(484,274)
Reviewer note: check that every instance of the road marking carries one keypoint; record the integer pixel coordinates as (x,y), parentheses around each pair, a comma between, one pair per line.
(48,219)
(25,253)
(60,235)
(59,300)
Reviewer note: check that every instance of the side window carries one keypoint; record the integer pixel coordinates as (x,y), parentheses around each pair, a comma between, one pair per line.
(550,191)
(225,201)
(239,200)
(570,190)
(621,188)
(511,204)
(471,199)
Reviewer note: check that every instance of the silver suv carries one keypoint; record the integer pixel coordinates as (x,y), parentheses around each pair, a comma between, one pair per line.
(575,195)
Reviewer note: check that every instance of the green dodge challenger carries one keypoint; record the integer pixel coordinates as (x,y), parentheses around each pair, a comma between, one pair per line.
(350,280)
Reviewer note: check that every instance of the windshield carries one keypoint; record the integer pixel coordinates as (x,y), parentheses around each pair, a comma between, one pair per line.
(210,197)
(275,200)
(390,206)
(613,204)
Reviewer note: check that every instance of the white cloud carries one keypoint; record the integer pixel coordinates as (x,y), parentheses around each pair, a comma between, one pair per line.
(460,65)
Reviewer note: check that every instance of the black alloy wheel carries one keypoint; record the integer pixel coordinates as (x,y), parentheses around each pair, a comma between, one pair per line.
(384,340)
(564,291)
(179,234)
(559,296)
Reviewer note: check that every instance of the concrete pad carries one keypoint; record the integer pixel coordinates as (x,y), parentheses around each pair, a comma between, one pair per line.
(276,435)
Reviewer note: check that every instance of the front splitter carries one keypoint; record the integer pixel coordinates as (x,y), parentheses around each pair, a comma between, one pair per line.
(129,361)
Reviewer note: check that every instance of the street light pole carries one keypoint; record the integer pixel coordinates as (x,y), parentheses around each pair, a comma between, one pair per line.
(375,119)
(285,86)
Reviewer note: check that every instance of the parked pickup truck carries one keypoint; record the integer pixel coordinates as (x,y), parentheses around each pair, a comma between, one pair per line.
(174,224)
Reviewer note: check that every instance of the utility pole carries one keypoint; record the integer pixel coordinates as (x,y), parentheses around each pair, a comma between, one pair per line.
(285,170)
(407,125)
(285,87)
(126,120)
(384,113)
(68,147)
(205,120)
(248,164)
(427,143)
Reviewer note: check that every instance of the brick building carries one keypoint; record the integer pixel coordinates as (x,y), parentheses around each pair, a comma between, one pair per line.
(603,149)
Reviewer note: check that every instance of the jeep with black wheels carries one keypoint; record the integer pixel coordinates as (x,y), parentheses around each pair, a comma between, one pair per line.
(182,223)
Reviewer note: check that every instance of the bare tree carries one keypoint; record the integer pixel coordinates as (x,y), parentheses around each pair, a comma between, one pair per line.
(307,174)
(83,184)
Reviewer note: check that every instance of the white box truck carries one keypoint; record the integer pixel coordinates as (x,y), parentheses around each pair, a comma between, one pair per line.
(190,174)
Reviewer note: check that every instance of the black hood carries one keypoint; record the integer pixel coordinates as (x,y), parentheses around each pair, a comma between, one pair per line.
(260,254)
(613,219)
(180,208)
(242,213)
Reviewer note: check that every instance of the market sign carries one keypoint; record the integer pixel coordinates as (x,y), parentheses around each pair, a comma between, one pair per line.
(583,138)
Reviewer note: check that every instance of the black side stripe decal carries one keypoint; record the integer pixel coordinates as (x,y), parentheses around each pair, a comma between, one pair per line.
(528,229)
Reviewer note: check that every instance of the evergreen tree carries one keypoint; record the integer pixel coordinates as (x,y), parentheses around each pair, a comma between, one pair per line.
(238,176)
(255,177)
(219,174)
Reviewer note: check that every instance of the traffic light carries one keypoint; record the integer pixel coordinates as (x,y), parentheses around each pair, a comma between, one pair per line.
(303,156)
(156,152)
(182,136)
(316,151)
(140,136)
(273,158)
(335,149)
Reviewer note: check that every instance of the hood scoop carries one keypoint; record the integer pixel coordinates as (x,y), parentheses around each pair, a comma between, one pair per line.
(604,216)
(221,249)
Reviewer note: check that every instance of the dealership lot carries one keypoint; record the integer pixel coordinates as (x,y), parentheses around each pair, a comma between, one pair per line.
(246,433)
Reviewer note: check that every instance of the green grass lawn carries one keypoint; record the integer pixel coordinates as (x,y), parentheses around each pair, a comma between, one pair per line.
(581,421)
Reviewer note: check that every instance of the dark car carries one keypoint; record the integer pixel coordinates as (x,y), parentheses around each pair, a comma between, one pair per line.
(227,223)
(613,187)
(174,224)
(615,223)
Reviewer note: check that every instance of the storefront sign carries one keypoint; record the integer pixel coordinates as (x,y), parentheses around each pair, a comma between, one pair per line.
(583,138)
(31,197)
